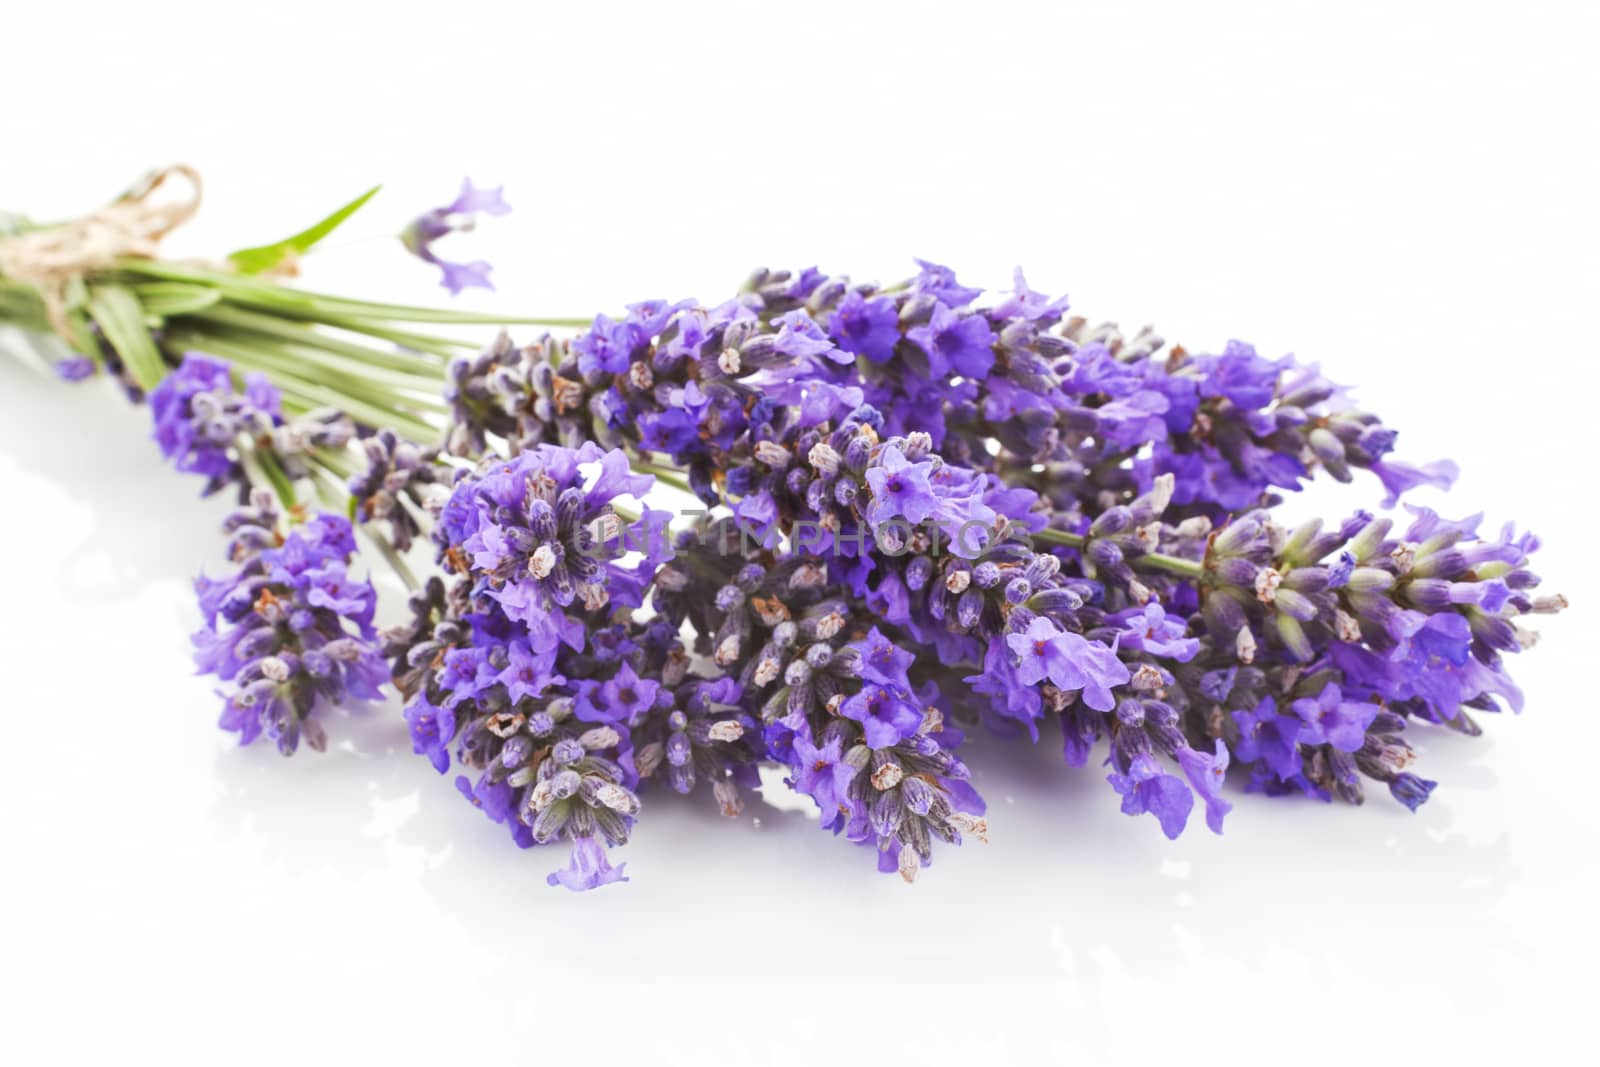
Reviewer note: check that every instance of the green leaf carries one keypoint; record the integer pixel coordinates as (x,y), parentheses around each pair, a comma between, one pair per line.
(121,320)
(163,300)
(268,257)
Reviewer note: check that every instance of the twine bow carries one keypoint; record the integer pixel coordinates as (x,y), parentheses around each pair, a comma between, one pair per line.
(51,260)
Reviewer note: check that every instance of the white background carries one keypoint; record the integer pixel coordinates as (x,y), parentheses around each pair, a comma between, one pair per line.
(1403,192)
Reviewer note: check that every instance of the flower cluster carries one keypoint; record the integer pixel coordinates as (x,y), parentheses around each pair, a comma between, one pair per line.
(200,418)
(289,630)
(1038,520)
(529,666)
(205,425)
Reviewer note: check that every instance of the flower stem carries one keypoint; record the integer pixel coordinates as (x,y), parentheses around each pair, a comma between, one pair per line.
(1192,569)
(262,469)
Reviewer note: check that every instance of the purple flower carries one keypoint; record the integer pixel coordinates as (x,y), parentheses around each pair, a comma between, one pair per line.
(199,417)
(432,729)
(1027,305)
(1267,736)
(74,368)
(1420,637)
(1071,661)
(622,699)
(823,775)
(465,674)
(608,347)
(884,662)
(527,673)
(539,543)
(292,634)
(867,327)
(900,488)
(954,342)
(1241,376)
(671,431)
(940,282)
(1400,478)
(1145,788)
(799,336)
(458,216)
(588,867)
(1410,790)
(885,715)
(1206,775)
(1329,719)
(1150,629)
(497,800)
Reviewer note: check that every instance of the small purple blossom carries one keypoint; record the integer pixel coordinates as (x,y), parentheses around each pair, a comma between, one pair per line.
(1029,306)
(1206,774)
(74,368)
(1400,478)
(458,216)
(822,774)
(1150,629)
(621,699)
(940,282)
(1146,788)
(1070,661)
(883,662)
(1411,790)
(885,715)
(1267,736)
(900,488)
(867,326)
(956,343)
(588,867)
(1330,719)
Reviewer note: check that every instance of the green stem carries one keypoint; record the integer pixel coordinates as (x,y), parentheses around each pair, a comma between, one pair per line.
(263,469)
(392,557)
(373,384)
(666,475)
(246,290)
(1187,568)
(340,353)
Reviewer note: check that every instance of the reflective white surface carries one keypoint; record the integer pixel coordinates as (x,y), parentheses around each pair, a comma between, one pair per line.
(1408,199)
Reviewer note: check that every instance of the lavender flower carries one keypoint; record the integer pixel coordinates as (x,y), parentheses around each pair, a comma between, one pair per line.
(200,417)
(398,487)
(289,631)
(74,368)
(536,541)
(458,216)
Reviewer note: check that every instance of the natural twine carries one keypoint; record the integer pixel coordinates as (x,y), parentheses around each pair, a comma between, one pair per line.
(131,226)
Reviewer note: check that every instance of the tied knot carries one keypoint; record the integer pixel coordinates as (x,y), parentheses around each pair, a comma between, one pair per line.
(131,226)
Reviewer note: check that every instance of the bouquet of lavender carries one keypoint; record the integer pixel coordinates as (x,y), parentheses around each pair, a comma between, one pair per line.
(919,513)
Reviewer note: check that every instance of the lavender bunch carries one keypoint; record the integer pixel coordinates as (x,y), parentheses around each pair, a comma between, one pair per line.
(922,514)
